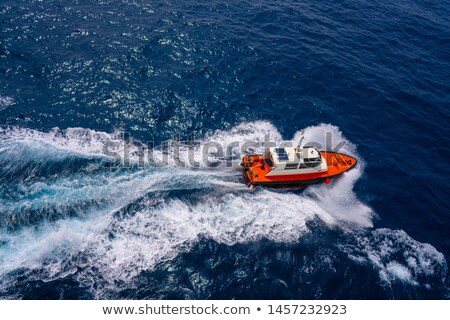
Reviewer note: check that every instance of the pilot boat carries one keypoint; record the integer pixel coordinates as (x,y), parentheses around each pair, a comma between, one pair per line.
(294,167)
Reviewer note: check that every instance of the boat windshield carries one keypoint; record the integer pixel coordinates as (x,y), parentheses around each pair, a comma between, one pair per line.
(313,162)
(268,161)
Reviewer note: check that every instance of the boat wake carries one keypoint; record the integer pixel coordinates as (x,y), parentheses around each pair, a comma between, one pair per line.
(63,213)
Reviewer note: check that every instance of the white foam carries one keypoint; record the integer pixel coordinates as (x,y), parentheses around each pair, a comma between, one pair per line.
(397,256)
(75,140)
(159,228)
(318,135)
(89,142)
(341,202)
(6,102)
(160,233)
(398,271)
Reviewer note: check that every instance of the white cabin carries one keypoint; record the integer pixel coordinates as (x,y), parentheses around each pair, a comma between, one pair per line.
(291,160)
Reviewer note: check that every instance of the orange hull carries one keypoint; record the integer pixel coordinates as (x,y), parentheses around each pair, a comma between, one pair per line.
(255,171)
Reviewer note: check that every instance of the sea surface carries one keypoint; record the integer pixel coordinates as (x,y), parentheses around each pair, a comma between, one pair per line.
(76,75)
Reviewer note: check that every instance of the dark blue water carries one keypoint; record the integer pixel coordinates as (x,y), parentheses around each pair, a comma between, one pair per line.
(375,74)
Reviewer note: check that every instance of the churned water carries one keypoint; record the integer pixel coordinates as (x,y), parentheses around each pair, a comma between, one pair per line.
(76,75)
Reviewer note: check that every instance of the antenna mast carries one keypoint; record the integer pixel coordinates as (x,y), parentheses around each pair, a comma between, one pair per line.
(299,145)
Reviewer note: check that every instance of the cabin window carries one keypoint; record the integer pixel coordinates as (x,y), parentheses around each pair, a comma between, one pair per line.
(268,162)
(291,166)
(312,162)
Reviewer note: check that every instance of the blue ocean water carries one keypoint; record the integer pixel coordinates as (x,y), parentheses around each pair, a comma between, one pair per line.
(75,74)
